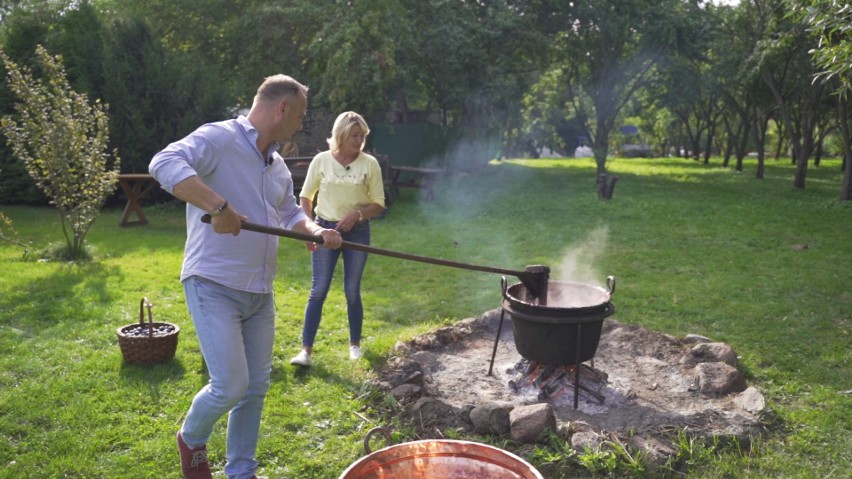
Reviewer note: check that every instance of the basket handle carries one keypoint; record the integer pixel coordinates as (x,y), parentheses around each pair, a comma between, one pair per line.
(142,304)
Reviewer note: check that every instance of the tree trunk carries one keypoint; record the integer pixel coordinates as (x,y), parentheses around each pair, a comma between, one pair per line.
(601,182)
(843,122)
(802,148)
(805,146)
(696,146)
(801,138)
(760,127)
(801,171)
(742,146)
(818,153)
(708,148)
(729,142)
(605,186)
(779,145)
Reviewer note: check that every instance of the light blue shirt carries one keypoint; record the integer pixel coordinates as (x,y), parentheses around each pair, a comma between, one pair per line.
(224,155)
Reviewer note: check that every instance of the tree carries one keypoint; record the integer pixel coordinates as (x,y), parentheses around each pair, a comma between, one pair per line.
(846,133)
(22,30)
(354,55)
(692,95)
(604,52)
(155,96)
(690,84)
(749,105)
(62,140)
(476,90)
(829,22)
(782,62)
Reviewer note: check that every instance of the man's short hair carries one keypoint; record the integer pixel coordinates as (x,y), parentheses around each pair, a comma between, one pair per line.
(276,86)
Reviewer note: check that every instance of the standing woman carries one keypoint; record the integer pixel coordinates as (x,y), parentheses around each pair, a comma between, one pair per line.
(347,184)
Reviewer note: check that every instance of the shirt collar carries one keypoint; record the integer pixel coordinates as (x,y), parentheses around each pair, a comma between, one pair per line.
(252,134)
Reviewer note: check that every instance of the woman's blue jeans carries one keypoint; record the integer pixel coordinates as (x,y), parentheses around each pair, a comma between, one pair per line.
(236,331)
(323,263)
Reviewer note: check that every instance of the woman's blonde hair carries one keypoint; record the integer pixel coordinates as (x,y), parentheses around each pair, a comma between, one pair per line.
(343,126)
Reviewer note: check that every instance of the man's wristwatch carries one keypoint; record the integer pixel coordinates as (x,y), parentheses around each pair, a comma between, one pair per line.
(218,211)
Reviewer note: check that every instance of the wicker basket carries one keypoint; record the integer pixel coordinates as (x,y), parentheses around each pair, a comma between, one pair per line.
(148,343)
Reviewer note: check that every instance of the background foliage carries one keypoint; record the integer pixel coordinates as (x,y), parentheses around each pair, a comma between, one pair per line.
(502,78)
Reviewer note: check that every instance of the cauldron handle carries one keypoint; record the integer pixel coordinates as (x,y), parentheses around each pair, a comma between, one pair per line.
(504,285)
(610,284)
(371,432)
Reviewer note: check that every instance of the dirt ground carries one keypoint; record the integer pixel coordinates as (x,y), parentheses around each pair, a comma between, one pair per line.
(647,390)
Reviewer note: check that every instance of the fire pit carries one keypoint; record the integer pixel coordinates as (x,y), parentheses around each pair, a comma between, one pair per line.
(642,385)
(565,331)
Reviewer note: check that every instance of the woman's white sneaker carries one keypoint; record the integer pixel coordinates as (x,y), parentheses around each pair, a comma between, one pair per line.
(302,359)
(355,352)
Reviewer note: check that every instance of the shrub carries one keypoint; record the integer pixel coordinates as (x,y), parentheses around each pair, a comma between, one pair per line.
(62,140)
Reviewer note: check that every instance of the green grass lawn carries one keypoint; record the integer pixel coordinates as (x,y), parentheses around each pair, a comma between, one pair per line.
(696,249)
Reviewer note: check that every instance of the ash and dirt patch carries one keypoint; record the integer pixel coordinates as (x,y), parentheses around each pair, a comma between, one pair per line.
(649,390)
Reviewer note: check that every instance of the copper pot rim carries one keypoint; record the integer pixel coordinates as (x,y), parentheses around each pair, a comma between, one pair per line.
(437,448)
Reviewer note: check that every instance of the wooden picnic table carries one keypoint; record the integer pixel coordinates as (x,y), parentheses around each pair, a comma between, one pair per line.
(420,178)
(135,187)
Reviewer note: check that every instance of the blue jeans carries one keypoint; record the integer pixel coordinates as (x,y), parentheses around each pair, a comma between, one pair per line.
(323,263)
(236,331)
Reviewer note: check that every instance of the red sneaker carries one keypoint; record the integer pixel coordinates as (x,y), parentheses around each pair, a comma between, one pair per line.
(193,462)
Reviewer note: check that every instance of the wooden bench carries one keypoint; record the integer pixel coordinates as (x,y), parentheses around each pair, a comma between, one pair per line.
(135,187)
(417,177)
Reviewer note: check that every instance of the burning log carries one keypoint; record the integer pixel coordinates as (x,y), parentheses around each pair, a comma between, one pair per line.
(552,381)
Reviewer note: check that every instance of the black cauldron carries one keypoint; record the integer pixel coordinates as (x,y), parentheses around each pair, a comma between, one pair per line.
(566,330)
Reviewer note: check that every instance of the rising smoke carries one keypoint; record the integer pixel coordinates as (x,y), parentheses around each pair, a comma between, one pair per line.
(581,259)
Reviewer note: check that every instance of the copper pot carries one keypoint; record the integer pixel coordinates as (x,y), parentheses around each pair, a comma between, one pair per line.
(440,459)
